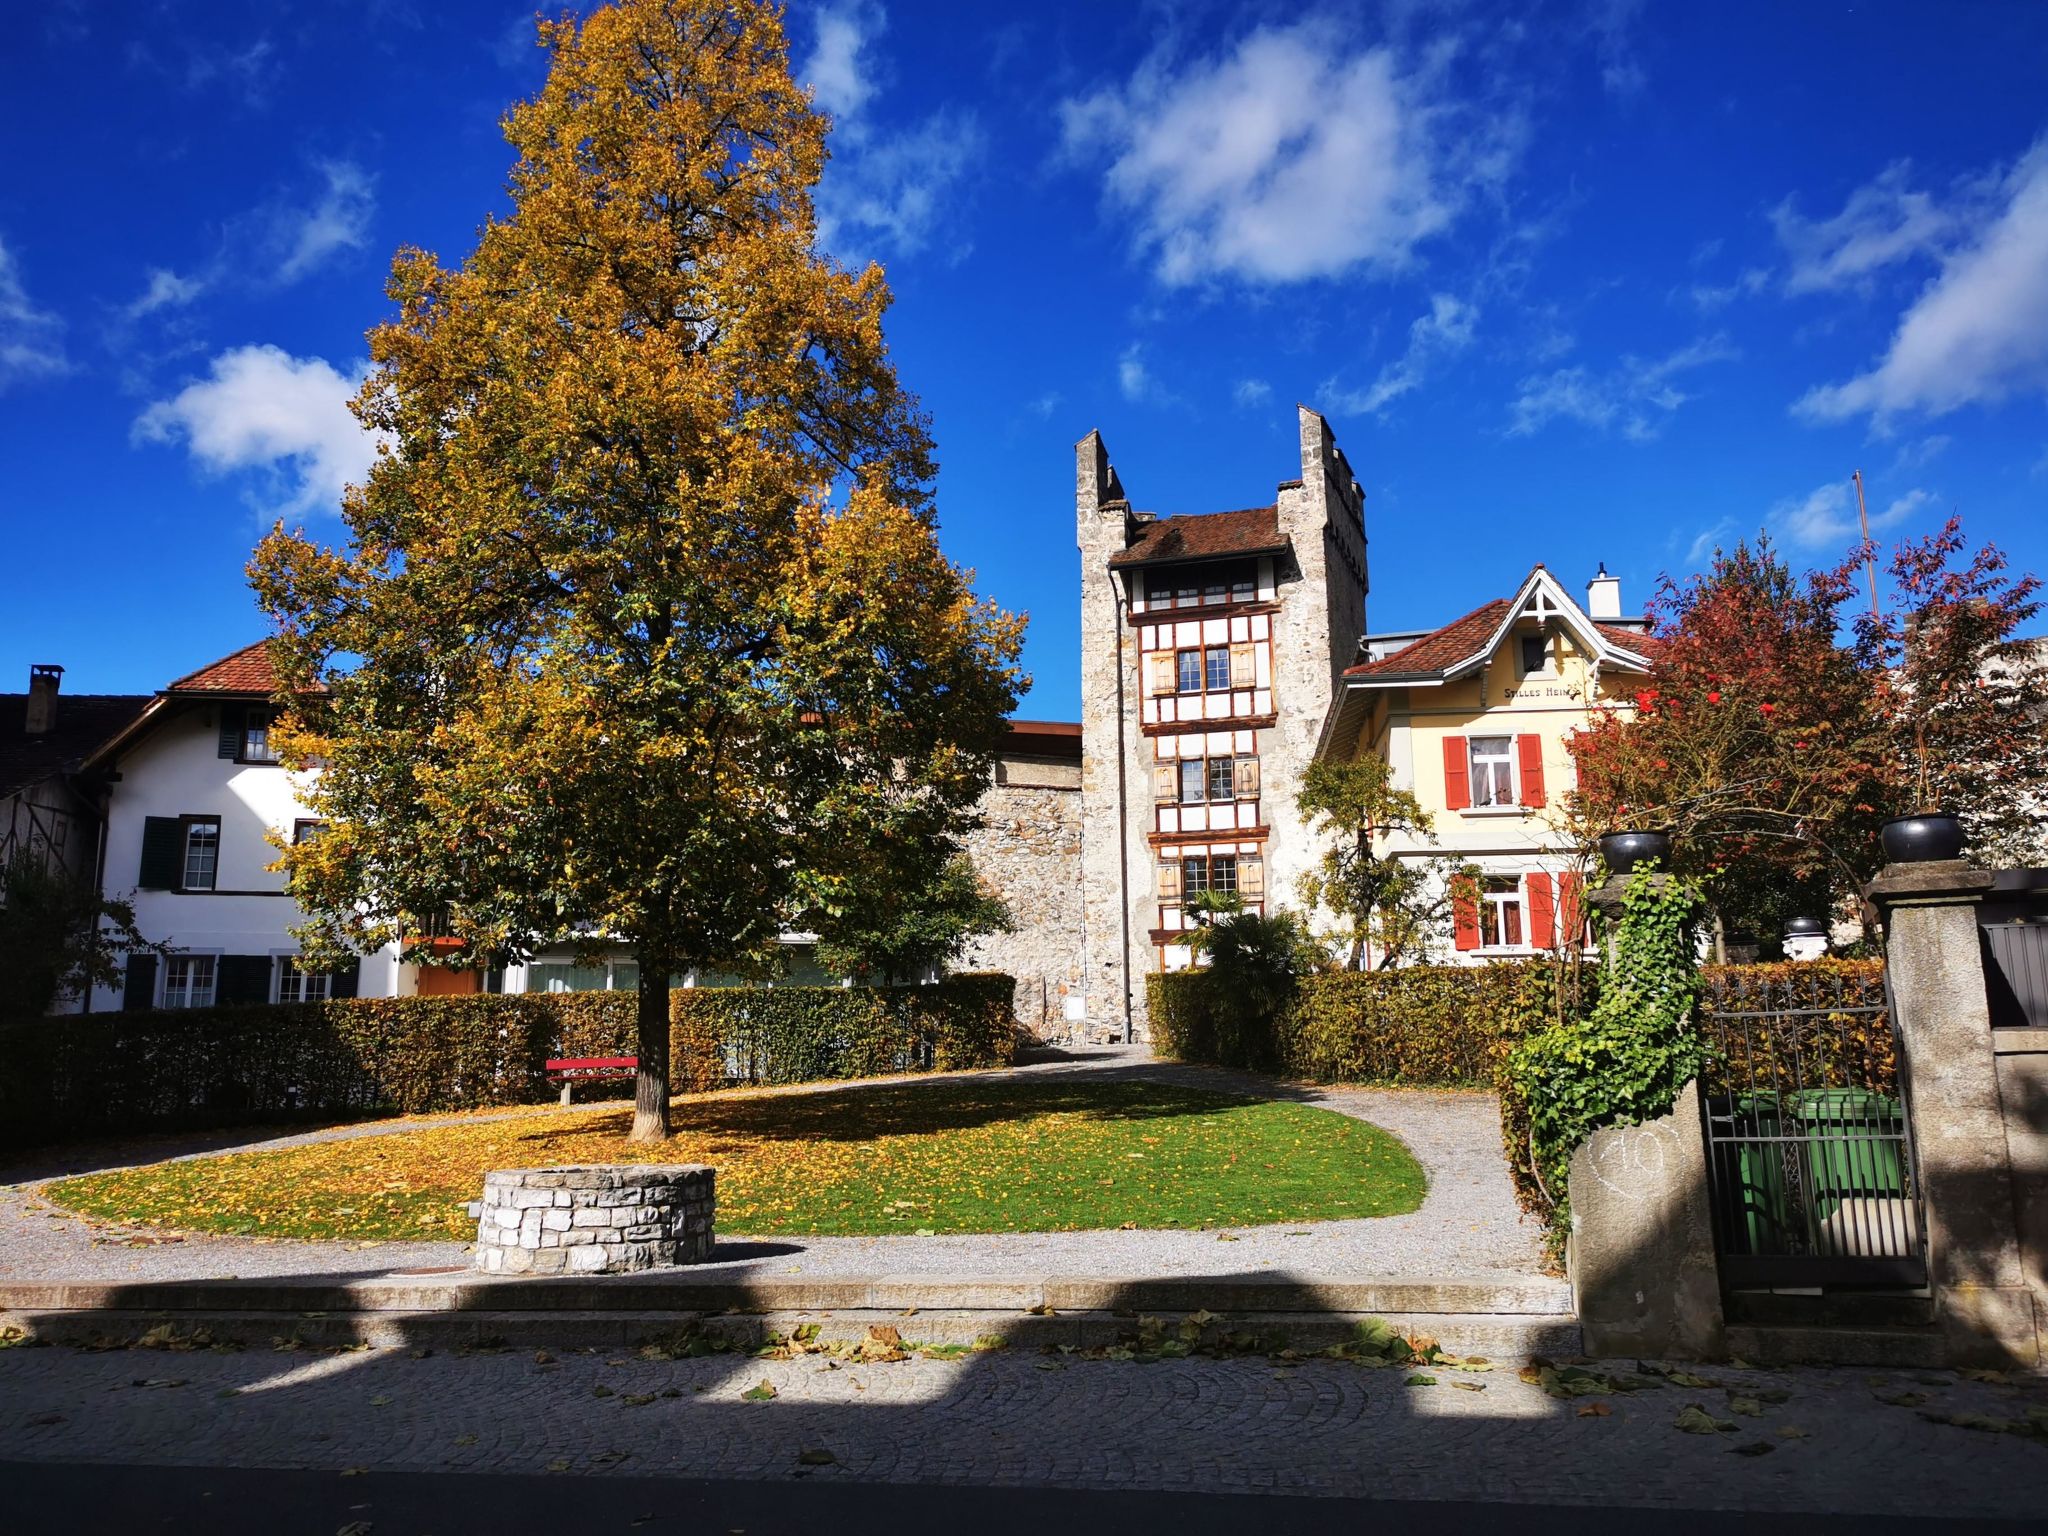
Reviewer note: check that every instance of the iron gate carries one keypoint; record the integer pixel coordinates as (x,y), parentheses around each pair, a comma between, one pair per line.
(1809,1149)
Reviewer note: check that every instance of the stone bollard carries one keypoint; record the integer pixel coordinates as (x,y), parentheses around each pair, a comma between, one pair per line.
(594,1221)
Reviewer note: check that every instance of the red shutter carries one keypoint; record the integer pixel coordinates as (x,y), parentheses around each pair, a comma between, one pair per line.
(1542,911)
(1530,750)
(1457,775)
(1465,921)
(1571,907)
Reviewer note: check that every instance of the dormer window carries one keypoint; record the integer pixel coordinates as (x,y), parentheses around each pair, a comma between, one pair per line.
(1535,653)
(1199,586)
(245,733)
(256,747)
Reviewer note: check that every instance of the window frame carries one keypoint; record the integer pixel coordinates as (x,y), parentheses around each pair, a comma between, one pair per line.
(250,726)
(288,965)
(305,829)
(1193,885)
(185,825)
(1542,642)
(186,1000)
(1505,759)
(1498,894)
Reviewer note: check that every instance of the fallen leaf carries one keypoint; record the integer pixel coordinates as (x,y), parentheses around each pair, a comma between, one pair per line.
(1748,1407)
(1469,1386)
(1594,1410)
(1695,1420)
(1419,1380)
(1791,1432)
(1753,1448)
(761,1393)
(818,1457)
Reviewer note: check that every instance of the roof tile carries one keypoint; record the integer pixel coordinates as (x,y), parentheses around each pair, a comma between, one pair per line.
(1440,648)
(1205,535)
(245,671)
(83,722)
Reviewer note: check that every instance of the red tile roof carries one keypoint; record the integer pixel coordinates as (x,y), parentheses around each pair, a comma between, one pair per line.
(1439,648)
(246,671)
(1641,641)
(1204,536)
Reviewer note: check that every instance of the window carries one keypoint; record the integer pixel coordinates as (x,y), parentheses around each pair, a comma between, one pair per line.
(297,986)
(1189,673)
(1233,582)
(1208,872)
(188,981)
(1500,912)
(306,831)
(1216,668)
(1222,778)
(1191,790)
(256,747)
(202,856)
(1535,653)
(1493,770)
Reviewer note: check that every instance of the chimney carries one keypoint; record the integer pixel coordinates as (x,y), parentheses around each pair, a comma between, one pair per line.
(42,697)
(1603,595)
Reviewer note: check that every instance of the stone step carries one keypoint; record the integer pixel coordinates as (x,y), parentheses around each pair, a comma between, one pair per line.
(712,1292)
(1905,1347)
(1508,1338)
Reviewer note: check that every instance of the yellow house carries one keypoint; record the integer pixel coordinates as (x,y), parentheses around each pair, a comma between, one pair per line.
(1473,718)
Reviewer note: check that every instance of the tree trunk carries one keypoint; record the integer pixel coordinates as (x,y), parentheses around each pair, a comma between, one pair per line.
(650,1085)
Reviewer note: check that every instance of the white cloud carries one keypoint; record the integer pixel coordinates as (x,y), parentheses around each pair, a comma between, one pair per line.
(1881,224)
(1979,331)
(1826,516)
(1921,452)
(31,339)
(303,238)
(1621,70)
(1297,155)
(1252,392)
(1133,378)
(1046,404)
(1709,297)
(166,290)
(1445,329)
(1708,540)
(1634,398)
(886,192)
(262,409)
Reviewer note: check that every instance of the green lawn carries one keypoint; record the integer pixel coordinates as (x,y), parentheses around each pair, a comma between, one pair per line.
(960,1155)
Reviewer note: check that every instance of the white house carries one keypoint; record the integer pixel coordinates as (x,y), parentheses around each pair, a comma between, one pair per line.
(195,790)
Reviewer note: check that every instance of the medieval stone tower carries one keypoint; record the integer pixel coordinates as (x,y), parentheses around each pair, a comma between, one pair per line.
(1210,650)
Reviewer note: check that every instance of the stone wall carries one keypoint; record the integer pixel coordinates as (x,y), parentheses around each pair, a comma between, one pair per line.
(594,1221)
(1028,851)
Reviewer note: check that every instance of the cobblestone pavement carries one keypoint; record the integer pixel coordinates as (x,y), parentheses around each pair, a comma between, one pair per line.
(1468,1227)
(1026,1419)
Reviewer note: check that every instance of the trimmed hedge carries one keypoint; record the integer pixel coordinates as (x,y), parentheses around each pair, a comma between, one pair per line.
(1830,1050)
(1424,1026)
(204,1067)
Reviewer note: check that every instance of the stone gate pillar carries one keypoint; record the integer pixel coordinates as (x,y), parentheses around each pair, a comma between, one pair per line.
(1948,1073)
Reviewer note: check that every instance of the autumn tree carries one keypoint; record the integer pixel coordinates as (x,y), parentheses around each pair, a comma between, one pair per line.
(905,929)
(641,632)
(1964,697)
(1757,740)
(59,936)
(1388,909)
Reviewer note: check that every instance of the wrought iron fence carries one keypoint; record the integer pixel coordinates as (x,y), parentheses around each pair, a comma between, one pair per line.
(1809,1149)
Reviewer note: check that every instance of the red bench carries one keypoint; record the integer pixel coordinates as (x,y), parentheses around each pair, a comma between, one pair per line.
(571,1070)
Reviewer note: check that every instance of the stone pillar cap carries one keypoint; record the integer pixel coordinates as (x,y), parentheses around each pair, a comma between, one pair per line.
(1933,882)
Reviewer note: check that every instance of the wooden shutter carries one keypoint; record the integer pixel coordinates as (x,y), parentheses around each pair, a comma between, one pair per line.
(1542,911)
(346,980)
(1169,880)
(1244,669)
(1464,912)
(163,853)
(1571,907)
(1165,783)
(231,716)
(1251,875)
(1246,775)
(1530,750)
(241,979)
(138,992)
(1164,678)
(1457,775)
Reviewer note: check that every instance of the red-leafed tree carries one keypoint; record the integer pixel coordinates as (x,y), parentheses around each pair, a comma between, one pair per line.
(1758,740)
(1967,700)
(1778,732)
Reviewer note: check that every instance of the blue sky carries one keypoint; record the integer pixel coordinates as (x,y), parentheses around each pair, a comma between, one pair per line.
(1574,282)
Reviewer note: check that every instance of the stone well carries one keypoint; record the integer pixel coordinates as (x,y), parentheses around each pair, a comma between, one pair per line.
(594,1221)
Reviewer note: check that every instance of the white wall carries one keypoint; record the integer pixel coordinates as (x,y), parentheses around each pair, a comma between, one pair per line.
(175,769)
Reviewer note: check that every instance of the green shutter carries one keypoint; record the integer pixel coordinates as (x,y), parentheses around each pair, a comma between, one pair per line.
(230,731)
(163,853)
(242,979)
(140,991)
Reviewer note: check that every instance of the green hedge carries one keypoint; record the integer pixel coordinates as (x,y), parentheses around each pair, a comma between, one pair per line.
(1425,1026)
(1768,1040)
(69,1076)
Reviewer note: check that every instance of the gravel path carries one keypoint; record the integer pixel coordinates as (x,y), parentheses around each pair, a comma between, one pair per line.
(1467,1228)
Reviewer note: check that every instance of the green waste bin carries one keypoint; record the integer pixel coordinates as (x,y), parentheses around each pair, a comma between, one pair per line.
(1854,1142)
(1762,1209)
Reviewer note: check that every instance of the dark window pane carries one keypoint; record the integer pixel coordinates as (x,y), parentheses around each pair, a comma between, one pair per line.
(1222,779)
(1191,779)
(1223,872)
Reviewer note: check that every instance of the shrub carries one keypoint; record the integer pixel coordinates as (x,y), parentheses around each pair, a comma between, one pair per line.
(1832,1049)
(204,1067)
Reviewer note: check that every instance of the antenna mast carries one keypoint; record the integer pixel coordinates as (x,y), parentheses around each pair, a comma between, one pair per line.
(1863,519)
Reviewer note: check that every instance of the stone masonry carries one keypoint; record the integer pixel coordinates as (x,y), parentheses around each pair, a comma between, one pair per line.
(1028,851)
(1319,582)
(594,1221)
